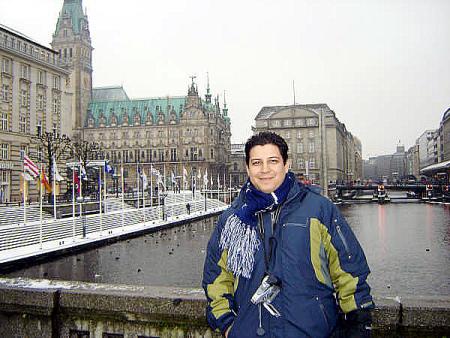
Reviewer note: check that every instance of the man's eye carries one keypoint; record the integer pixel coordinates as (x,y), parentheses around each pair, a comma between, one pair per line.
(274,161)
(256,163)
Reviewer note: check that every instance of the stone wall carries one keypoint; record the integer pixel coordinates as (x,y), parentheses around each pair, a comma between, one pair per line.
(43,308)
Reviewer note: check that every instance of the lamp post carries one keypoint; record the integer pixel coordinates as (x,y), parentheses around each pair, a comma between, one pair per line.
(116,184)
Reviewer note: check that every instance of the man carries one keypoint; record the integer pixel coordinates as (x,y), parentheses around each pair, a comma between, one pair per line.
(282,261)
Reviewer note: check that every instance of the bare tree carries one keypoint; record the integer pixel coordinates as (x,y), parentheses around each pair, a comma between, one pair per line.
(55,147)
(85,151)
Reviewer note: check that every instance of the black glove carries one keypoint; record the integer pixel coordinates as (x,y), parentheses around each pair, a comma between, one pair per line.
(355,324)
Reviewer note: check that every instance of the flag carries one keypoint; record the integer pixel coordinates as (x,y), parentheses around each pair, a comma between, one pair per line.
(28,165)
(109,169)
(76,181)
(174,181)
(56,174)
(185,173)
(144,180)
(83,173)
(205,178)
(26,176)
(44,181)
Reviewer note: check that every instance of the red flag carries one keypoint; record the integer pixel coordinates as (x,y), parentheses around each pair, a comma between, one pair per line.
(76,181)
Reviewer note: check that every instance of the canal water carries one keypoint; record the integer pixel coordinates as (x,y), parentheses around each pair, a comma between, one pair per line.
(407,246)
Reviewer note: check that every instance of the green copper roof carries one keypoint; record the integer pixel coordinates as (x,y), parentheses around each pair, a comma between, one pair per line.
(143,107)
(73,9)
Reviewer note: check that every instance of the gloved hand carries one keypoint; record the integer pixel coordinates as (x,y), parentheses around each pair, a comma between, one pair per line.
(358,323)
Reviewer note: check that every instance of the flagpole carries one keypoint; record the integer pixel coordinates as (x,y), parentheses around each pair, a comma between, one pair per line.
(151,185)
(137,183)
(54,189)
(80,194)
(123,202)
(100,199)
(73,203)
(143,191)
(104,184)
(40,210)
(230,189)
(24,197)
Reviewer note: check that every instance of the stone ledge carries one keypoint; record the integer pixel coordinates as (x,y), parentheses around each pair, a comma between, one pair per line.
(167,308)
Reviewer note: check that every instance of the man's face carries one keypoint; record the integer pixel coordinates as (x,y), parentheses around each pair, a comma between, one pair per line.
(266,168)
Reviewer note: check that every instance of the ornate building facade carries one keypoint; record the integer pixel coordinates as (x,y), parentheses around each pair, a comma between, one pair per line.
(168,133)
(72,41)
(320,146)
(35,97)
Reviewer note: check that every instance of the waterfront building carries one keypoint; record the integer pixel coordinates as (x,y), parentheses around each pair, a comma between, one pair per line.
(412,161)
(238,171)
(320,146)
(35,97)
(169,133)
(444,137)
(427,148)
(392,167)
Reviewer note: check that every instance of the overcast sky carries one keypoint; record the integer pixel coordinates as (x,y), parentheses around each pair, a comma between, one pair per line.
(383,66)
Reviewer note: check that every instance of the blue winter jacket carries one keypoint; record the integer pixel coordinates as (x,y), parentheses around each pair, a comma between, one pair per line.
(314,254)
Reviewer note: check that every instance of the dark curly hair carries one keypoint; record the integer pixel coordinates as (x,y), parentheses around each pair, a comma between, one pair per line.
(263,138)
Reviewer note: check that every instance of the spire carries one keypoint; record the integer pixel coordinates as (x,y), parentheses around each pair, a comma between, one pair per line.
(225,109)
(208,93)
(193,88)
(74,18)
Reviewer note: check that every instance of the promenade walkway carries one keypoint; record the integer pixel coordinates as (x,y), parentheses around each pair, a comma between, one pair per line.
(19,241)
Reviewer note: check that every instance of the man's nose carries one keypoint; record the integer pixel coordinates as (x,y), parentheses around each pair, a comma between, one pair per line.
(265,167)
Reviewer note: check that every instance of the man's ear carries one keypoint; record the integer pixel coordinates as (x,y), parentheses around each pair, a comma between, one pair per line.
(287,165)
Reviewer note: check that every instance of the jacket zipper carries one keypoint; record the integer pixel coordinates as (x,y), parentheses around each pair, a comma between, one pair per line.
(323,311)
(341,236)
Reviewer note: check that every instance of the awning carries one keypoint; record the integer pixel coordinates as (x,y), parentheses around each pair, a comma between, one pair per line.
(436,167)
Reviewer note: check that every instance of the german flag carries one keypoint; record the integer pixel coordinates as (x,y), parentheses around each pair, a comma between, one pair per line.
(44,181)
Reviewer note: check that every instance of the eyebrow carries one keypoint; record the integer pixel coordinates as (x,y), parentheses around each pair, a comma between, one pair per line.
(269,158)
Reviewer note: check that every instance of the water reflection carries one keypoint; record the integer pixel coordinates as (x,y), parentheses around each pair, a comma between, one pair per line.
(407,247)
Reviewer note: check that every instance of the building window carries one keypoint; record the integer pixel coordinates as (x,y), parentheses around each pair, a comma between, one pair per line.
(300,147)
(56,82)
(4,151)
(288,134)
(212,153)
(40,101)
(6,66)
(55,105)
(287,123)
(300,163)
(312,147)
(38,127)
(276,123)
(39,154)
(3,121)
(41,77)
(5,92)
(23,98)
(300,122)
(22,124)
(311,133)
(312,163)
(173,154)
(23,151)
(161,155)
(299,134)
(312,122)
(25,71)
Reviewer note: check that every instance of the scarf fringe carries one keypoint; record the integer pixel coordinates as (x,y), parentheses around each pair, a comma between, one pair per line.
(241,241)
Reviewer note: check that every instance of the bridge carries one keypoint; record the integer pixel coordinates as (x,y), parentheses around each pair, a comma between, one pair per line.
(420,191)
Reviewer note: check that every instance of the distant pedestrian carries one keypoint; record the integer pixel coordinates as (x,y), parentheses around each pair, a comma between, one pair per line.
(188,208)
